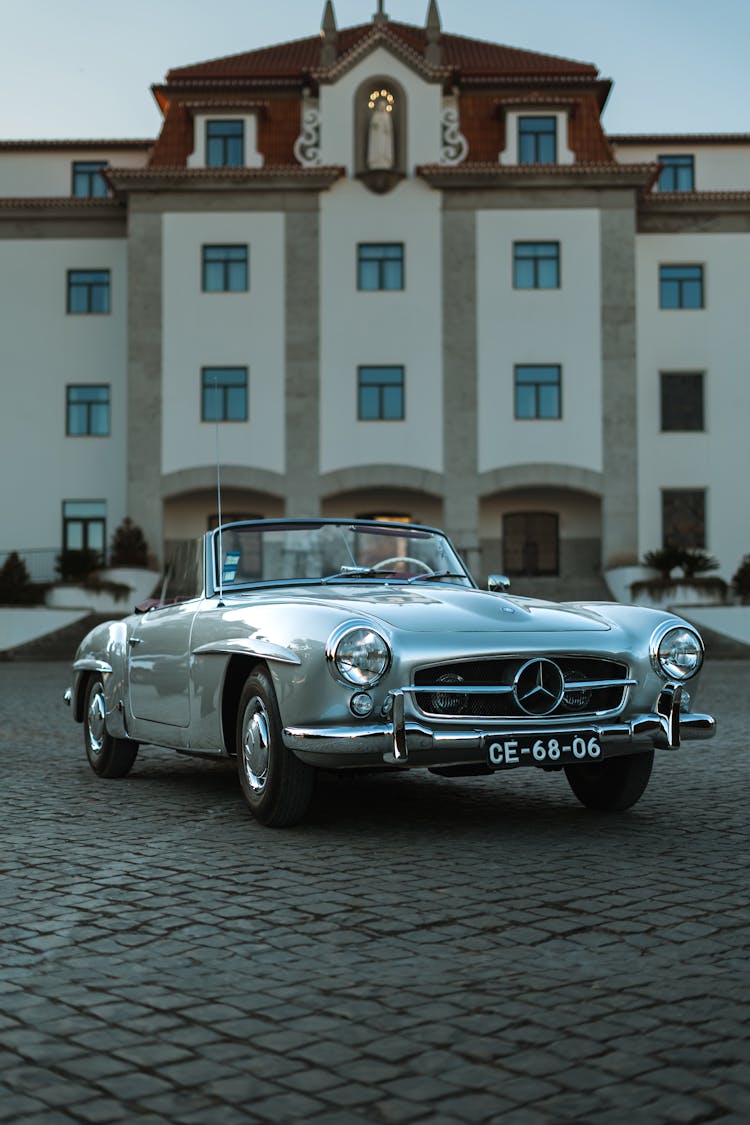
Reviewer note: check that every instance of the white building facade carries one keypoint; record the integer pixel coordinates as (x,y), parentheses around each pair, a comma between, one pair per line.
(386,271)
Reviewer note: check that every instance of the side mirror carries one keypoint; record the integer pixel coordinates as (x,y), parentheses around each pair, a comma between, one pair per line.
(498,583)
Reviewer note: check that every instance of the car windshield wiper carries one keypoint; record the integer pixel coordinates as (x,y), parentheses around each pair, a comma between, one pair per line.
(434,576)
(347,573)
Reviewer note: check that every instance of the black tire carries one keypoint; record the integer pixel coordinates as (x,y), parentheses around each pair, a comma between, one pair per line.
(277,786)
(108,756)
(613,785)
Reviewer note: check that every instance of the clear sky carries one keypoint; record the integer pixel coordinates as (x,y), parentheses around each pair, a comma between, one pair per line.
(84,68)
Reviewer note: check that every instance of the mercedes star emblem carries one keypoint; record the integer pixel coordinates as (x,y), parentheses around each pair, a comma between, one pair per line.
(539,686)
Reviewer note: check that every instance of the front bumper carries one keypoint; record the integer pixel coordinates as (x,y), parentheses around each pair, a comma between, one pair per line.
(412,744)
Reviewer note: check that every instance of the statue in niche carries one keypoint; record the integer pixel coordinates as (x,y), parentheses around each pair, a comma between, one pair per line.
(380,146)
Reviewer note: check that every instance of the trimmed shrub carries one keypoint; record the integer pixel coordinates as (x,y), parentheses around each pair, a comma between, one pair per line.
(741,580)
(129,547)
(15,582)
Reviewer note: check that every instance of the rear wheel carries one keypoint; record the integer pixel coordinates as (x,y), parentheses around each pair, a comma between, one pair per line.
(108,756)
(277,786)
(612,785)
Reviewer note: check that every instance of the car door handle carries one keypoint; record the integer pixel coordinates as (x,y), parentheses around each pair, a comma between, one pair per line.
(135,640)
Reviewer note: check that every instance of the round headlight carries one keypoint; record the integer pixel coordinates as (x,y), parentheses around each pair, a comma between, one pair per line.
(360,656)
(677,653)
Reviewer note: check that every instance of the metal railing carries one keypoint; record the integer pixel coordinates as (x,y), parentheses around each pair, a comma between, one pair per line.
(39,561)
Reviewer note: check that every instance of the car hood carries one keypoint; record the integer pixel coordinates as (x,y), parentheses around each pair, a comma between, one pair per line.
(441,608)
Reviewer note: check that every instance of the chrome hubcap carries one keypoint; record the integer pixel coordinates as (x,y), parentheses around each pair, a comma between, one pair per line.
(256,744)
(96,716)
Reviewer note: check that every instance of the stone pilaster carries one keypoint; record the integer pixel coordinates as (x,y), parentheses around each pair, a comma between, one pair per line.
(144,402)
(303,361)
(461,505)
(619,385)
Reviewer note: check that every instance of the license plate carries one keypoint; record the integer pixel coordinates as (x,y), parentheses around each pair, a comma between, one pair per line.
(504,751)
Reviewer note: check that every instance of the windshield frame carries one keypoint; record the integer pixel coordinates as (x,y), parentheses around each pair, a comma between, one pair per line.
(383,527)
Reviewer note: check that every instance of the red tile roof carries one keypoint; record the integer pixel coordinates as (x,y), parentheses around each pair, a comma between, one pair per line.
(680,138)
(472,57)
(118,145)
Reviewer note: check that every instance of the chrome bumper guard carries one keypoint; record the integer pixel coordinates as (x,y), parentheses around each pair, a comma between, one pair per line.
(392,741)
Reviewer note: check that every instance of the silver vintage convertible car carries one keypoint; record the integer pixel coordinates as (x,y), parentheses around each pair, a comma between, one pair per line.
(296,645)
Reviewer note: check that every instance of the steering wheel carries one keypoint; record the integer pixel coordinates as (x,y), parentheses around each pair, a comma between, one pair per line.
(384,564)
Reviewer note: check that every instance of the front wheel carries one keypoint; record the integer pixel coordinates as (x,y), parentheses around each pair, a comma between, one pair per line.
(277,786)
(613,785)
(108,756)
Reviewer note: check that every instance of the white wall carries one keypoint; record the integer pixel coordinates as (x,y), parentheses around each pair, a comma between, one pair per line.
(42,349)
(715,340)
(28,174)
(517,326)
(223,329)
(381,327)
(717,167)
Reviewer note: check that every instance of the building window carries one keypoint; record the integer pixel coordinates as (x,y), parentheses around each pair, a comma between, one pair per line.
(680,287)
(536,265)
(88,182)
(85,525)
(380,265)
(538,391)
(531,543)
(381,394)
(537,140)
(224,394)
(678,173)
(682,402)
(225,269)
(87,411)
(683,513)
(88,291)
(225,144)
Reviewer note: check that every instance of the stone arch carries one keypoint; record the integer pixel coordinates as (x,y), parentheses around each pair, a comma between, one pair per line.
(541,476)
(190,501)
(203,477)
(385,476)
(523,500)
(390,491)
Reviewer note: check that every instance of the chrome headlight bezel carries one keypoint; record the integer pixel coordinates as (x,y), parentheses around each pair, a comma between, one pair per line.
(346,667)
(662,644)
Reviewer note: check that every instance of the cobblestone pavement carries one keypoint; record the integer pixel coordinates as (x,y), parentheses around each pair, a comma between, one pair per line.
(420,950)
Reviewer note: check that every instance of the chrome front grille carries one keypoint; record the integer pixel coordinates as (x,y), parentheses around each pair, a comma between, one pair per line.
(536,688)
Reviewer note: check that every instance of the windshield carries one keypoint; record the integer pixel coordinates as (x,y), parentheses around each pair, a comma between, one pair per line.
(334,552)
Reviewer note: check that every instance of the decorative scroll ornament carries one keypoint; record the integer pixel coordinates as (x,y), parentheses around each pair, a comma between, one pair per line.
(307,145)
(454,146)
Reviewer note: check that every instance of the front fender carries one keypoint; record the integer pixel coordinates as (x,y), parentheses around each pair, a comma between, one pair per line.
(103,651)
(249,646)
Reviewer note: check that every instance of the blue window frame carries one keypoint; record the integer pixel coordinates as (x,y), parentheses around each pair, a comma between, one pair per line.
(381,394)
(225,269)
(88,182)
(225,144)
(536,265)
(224,394)
(678,173)
(87,410)
(380,265)
(88,291)
(538,391)
(680,287)
(537,140)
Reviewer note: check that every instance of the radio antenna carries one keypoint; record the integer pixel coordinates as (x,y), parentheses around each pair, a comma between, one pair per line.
(218,488)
